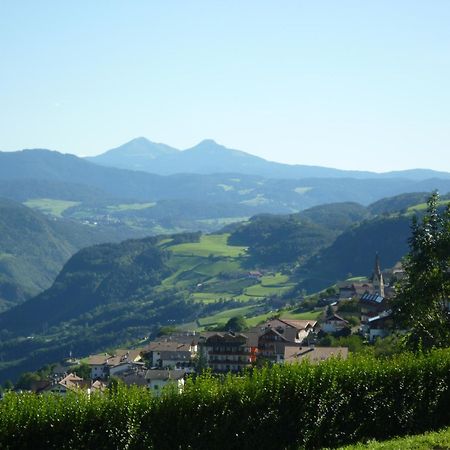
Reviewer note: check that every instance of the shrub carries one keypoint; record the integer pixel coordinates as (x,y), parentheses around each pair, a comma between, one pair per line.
(279,407)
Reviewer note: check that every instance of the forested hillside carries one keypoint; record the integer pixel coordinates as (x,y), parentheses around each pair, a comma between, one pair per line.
(352,253)
(34,247)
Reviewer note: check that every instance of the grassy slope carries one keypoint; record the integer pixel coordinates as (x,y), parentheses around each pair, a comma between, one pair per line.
(50,205)
(423,206)
(193,266)
(433,440)
(209,245)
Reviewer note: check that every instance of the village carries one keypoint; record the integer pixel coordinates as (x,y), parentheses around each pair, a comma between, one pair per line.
(170,358)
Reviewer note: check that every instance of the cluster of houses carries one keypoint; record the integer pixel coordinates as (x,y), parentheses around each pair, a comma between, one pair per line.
(170,358)
(374,297)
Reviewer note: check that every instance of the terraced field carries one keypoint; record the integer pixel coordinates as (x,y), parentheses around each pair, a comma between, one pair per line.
(212,271)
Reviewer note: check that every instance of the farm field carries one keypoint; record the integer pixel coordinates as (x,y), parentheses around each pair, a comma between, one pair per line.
(213,244)
(252,320)
(211,270)
(224,316)
(308,315)
(50,206)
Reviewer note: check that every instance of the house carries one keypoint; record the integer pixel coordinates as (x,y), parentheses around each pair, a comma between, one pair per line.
(371,306)
(380,326)
(124,366)
(231,352)
(154,379)
(271,344)
(98,365)
(170,354)
(293,330)
(295,354)
(103,363)
(73,383)
(334,324)
(325,301)
(158,379)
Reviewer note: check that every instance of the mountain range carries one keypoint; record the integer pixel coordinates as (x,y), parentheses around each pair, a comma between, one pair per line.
(34,174)
(210,157)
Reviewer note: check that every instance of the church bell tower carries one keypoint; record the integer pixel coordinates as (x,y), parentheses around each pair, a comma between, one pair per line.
(377,277)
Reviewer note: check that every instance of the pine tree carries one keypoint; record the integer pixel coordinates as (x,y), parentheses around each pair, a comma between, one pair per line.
(422,304)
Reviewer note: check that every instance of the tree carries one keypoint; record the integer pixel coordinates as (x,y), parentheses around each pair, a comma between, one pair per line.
(8,385)
(237,323)
(26,380)
(83,371)
(422,304)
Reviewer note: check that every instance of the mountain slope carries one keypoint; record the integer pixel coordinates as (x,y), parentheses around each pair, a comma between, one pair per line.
(353,251)
(31,252)
(34,247)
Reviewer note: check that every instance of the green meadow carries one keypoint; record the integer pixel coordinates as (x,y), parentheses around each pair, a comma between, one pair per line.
(50,205)
(212,271)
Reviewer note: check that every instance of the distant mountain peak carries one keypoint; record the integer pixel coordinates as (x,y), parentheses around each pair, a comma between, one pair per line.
(140,140)
(207,144)
(136,154)
(144,145)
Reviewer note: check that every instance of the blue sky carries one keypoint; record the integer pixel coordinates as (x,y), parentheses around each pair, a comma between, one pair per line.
(347,84)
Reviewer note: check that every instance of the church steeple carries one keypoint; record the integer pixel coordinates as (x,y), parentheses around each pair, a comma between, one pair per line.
(377,277)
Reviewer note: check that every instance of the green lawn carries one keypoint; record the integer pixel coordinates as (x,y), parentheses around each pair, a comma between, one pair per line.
(50,205)
(258,290)
(274,280)
(216,267)
(180,265)
(214,244)
(438,440)
(209,297)
(224,316)
(307,315)
(253,321)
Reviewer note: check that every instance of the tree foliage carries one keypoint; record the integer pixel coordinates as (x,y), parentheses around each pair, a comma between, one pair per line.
(236,323)
(422,304)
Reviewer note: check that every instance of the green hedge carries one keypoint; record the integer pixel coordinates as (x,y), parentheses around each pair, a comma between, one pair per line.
(330,404)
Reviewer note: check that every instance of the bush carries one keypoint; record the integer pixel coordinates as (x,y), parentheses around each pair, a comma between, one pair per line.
(284,406)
